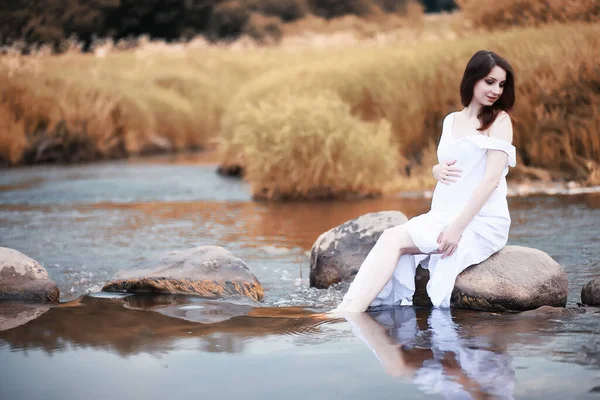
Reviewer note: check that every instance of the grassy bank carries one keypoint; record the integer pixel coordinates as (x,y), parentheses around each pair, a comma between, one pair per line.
(414,87)
(77,107)
(304,122)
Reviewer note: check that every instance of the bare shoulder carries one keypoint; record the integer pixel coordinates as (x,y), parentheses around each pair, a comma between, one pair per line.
(450,115)
(502,127)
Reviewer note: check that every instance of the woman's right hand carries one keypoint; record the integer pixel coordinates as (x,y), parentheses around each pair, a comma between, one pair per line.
(446,172)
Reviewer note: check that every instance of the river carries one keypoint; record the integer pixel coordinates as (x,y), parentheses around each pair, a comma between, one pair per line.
(85,222)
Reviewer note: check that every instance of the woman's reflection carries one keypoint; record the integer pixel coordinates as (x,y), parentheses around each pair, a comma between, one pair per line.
(429,350)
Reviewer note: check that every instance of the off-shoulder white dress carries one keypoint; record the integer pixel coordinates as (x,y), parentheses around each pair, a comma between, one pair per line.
(485,235)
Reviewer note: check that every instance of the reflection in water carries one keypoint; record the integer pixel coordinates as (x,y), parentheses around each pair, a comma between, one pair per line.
(13,314)
(434,355)
(135,324)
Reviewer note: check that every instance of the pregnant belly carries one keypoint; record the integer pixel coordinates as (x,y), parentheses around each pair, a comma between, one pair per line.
(451,198)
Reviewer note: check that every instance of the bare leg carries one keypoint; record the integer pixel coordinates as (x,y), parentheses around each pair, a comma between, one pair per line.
(377,269)
(385,348)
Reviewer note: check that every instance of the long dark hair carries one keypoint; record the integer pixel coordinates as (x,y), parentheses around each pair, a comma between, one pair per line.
(478,67)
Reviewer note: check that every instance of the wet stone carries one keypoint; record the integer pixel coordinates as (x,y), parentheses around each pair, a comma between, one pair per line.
(338,253)
(22,278)
(207,271)
(590,293)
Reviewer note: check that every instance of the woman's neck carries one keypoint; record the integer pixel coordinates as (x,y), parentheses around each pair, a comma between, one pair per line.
(472,109)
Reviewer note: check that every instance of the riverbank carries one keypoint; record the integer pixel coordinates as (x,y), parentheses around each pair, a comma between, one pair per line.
(167,99)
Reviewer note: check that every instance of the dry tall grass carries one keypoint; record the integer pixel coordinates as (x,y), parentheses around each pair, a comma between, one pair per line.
(165,98)
(415,87)
(299,146)
(494,14)
(77,107)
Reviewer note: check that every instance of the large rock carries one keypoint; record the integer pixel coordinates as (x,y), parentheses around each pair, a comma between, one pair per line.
(590,294)
(338,253)
(207,271)
(514,279)
(22,278)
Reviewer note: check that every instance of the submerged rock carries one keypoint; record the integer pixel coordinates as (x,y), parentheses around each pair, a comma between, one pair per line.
(338,253)
(514,279)
(22,278)
(207,271)
(549,311)
(590,293)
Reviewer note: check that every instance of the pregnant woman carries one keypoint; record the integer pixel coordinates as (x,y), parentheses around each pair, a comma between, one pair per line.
(469,219)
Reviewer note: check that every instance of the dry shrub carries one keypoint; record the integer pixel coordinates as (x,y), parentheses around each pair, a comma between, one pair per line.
(119,105)
(494,14)
(156,98)
(286,10)
(263,29)
(337,8)
(557,94)
(12,137)
(312,147)
(228,19)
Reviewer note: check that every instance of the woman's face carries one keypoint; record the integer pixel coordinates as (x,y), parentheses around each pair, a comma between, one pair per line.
(490,88)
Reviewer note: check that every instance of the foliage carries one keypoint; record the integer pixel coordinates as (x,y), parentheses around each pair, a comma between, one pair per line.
(301,146)
(557,90)
(493,14)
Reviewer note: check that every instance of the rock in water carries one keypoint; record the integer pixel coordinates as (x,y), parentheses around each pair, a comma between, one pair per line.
(22,278)
(338,253)
(207,271)
(514,279)
(590,294)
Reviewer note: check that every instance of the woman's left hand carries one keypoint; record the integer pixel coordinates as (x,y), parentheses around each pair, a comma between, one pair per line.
(448,240)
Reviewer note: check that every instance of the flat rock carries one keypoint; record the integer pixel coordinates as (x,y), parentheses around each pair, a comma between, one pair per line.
(338,253)
(207,271)
(590,293)
(22,278)
(549,311)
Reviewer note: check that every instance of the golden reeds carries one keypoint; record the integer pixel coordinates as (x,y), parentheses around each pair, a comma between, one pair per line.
(494,14)
(310,146)
(415,87)
(76,107)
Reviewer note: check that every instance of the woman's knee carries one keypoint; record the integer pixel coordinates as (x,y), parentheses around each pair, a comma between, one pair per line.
(393,234)
(398,236)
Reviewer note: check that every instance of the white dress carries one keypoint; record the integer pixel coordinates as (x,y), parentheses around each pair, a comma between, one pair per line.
(485,235)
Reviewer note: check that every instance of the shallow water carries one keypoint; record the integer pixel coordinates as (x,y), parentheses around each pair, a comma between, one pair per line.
(85,222)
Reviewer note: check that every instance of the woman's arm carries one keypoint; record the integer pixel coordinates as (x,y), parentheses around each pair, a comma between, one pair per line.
(495,163)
